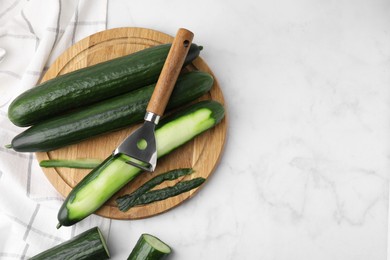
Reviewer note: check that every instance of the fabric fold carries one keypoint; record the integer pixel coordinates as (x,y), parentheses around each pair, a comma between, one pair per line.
(34,34)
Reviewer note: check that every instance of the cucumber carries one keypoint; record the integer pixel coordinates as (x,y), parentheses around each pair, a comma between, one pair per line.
(127,201)
(87,245)
(114,173)
(76,163)
(91,84)
(105,116)
(149,247)
(160,194)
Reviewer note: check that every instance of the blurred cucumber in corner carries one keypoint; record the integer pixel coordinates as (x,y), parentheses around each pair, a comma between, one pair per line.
(89,245)
(149,247)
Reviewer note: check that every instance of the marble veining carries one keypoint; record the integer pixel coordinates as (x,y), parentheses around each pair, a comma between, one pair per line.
(305,170)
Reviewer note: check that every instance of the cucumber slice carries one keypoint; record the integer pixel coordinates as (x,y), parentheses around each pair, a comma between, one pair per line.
(149,247)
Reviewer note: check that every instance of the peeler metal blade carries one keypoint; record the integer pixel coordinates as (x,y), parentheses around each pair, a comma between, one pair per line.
(141,145)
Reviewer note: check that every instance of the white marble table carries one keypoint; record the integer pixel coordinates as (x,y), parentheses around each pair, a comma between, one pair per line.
(305,170)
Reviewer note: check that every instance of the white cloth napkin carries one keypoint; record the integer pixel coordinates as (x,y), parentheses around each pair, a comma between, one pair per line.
(34,34)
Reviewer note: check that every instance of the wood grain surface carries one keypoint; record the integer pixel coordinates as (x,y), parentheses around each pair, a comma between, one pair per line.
(170,72)
(202,154)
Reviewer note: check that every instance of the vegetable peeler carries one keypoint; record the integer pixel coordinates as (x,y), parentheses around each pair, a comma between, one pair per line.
(140,146)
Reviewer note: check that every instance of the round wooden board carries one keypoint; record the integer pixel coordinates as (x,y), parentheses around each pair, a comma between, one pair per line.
(202,154)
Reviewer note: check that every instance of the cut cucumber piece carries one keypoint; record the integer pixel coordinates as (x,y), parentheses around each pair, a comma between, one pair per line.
(89,245)
(149,247)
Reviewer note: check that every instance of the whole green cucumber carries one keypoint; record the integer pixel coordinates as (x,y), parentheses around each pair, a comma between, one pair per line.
(105,116)
(91,84)
(149,247)
(89,245)
(114,173)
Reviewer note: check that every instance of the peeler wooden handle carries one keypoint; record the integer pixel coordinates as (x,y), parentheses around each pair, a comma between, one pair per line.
(170,72)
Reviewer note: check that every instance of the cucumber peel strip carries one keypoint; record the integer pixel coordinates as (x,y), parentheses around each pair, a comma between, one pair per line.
(76,163)
(164,193)
(126,201)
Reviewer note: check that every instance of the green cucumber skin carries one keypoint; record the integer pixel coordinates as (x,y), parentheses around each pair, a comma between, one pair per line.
(144,251)
(77,163)
(161,194)
(88,245)
(106,116)
(114,173)
(129,199)
(92,84)
(64,214)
